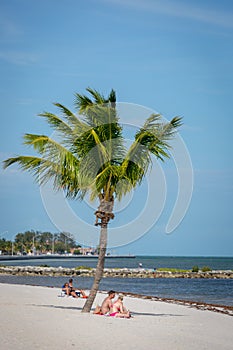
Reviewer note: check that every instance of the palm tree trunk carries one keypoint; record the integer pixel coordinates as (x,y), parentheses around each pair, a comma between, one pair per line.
(99,269)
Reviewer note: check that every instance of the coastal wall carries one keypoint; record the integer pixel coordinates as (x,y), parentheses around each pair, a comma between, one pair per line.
(120,273)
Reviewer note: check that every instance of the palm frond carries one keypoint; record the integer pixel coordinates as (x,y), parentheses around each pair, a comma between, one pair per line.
(23,161)
(98,97)
(155,134)
(72,119)
(82,103)
(44,145)
(150,139)
(56,122)
(62,164)
(136,163)
(68,132)
(112,96)
(36,165)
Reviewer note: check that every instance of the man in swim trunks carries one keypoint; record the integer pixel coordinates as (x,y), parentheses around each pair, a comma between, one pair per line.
(106,306)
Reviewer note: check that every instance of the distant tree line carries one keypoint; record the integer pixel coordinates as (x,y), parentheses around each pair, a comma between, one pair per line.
(36,242)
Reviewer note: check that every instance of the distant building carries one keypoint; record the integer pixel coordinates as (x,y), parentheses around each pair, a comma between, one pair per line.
(85,251)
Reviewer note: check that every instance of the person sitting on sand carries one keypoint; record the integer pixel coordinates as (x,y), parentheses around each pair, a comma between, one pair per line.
(73,291)
(118,309)
(66,289)
(70,291)
(107,305)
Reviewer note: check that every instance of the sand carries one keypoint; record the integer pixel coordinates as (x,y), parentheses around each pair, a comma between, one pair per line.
(38,318)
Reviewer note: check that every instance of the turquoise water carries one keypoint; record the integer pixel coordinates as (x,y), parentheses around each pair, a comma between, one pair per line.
(202,290)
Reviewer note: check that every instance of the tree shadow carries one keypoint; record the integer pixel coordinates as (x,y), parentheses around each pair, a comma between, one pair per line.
(57,307)
(154,314)
(76,308)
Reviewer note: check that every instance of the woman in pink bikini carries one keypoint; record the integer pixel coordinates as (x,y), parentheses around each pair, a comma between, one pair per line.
(118,309)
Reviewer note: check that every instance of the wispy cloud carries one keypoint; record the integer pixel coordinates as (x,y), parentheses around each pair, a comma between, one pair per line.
(25,101)
(19,58)
(9,29)
(180,9)
(12,32)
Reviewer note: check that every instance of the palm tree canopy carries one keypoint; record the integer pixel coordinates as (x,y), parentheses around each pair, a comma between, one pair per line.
(88,154)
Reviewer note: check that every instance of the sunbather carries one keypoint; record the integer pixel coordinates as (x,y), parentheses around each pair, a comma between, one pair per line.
(107,305)
(79,292)
(70,290)
(118,309)
(73,290)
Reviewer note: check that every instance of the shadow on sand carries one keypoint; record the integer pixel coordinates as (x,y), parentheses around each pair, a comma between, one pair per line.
(132,312)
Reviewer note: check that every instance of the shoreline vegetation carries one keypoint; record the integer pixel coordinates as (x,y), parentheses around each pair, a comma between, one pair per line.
(114,272)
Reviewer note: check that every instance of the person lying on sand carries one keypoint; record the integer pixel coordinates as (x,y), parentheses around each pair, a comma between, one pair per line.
(106,306)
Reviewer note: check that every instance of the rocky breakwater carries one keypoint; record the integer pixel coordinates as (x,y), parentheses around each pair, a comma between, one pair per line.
(119,273)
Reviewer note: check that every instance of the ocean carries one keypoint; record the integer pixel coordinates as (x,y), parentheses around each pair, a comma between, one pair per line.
(147,262)
(209,291)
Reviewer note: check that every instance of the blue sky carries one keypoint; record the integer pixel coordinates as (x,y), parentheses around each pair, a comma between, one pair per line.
(174,57)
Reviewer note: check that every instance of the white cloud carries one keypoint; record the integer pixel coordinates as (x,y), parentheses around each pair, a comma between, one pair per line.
(19,58)
(180,9)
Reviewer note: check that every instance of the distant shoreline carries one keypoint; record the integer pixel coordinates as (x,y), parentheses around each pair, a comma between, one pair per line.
(121,261)
(54,256)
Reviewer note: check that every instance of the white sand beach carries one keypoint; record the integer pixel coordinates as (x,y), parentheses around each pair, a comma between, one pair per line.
(37,318)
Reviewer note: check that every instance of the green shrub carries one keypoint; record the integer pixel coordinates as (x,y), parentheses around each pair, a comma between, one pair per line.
(83,268)
(195,268)
(206,269)
(77,252)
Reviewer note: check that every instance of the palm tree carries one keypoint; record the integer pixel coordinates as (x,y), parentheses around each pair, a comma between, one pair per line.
(91,158)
